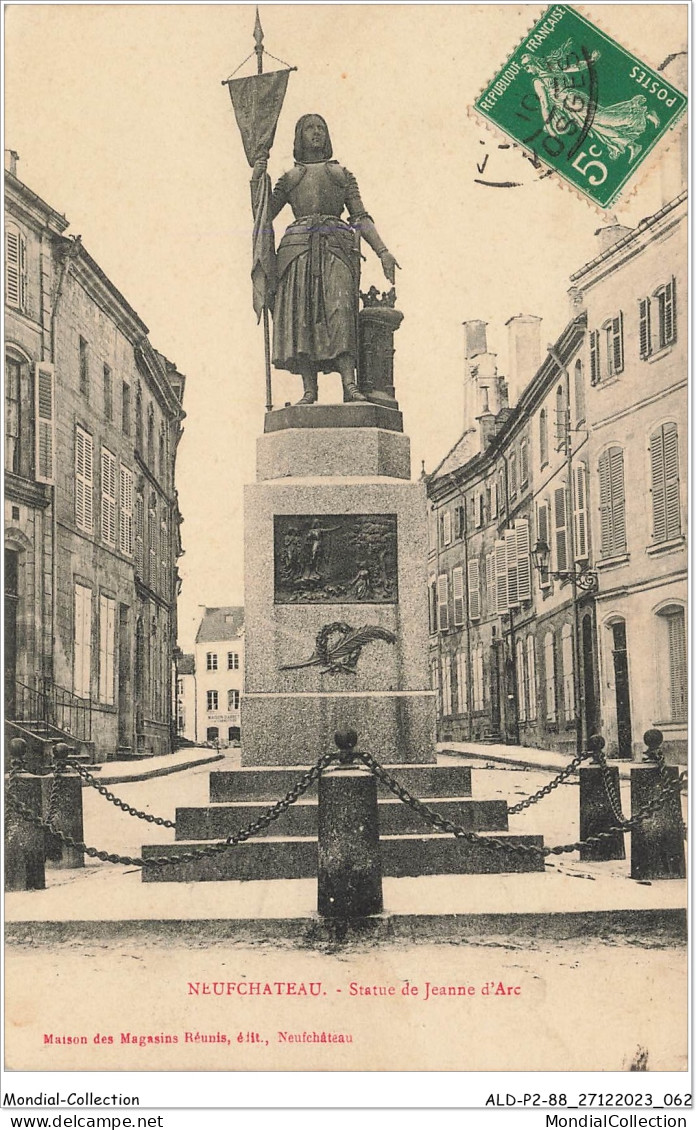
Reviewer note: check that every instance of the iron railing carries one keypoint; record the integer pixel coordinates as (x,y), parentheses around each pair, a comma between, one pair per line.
(51,705)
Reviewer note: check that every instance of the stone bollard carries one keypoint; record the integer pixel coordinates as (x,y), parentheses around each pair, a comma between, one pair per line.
(657,843)
(67,811)
(24,842)
(596,812)
(350,867)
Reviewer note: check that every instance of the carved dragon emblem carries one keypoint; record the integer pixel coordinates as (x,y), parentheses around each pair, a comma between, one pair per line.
(338,647)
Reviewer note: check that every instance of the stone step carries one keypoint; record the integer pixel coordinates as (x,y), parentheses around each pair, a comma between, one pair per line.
(269,784)
(296,857)
(215,822)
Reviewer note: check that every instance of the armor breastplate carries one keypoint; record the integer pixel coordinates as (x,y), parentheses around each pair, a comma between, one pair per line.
(317,193)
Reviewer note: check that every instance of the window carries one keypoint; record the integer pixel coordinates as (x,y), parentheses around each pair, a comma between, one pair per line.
(82,651)
(162,455)
(432,529)
(513,600)
(84,480)
(561,419)
(594,357)
(501,600)
(446,685)
(568,672)
(664,467)
(612,503)
(678,670)
(524,463)
(107,614)
(491,599)
(212,734)
(446,528)
(502,496)
(579,393)
(494,499)
(560,515)
(212,700)
(518,563)
(138,419)
(139,535)
(531,679)
(512,472)
(479,510)
(442,602)
(459,522)
(477,673)
(543,437)
(13,414)
(125,518)
(108,498)
(211,661)
(108,394)
(613,345)
(84,367)
(152,542)
(233,700)
(543,534)
(521,681)
(15,268)
(232,661)
(580,512)
(458,596)
(164,556)
(550,677)
(460,669)
(474,589)
(433,606)
(658,319)
(45,423)
(151,437)
(125,409)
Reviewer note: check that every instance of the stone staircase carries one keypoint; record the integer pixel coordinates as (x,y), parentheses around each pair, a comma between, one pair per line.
(287,849)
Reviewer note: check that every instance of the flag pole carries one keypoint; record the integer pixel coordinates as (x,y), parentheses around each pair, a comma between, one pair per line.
(258,37)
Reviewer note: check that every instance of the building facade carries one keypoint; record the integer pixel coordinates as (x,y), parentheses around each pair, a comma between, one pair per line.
(219,661)
(185,703)
(92,422)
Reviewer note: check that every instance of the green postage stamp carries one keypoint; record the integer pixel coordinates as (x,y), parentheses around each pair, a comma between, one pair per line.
(581,103)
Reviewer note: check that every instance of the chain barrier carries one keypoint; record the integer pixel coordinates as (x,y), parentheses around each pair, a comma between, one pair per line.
(264,820)
(613,796)
(92,781)
(551,785)
(438,821)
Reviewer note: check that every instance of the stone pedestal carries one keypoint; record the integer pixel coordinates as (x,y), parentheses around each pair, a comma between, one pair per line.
(335,591)
(349,864)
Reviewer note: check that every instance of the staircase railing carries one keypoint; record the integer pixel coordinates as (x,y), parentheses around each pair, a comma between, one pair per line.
(52,705)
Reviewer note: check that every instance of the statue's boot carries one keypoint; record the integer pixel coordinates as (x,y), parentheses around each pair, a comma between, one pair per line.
(351,392)
(309,382)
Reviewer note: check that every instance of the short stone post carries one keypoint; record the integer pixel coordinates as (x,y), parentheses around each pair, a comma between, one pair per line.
(350,867)
(67,816)
(24,842)
(657,843)
(596,811)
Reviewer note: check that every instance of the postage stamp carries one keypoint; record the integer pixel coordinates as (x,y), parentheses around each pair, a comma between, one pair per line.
(582,104)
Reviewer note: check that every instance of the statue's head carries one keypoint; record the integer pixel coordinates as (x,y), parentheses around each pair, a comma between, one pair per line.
(531,64)
(312,141)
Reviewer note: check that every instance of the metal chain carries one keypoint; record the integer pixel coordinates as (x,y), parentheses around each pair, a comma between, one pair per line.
(613,796)
(299,789)
(95,784)
(548,788)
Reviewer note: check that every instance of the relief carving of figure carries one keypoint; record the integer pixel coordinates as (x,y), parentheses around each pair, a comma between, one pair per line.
(315,313)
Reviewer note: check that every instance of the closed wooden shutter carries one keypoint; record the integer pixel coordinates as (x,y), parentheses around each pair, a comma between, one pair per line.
(544,536)
(560,528)
(84,480)
(617,344)
(501,577)
(568,672)
(108,497)
(644,328)
(15,268)
(107,615)
(532,678)
(543,437)
(82,644)
(521,681)
(594,357)
(670,313)
(612,502)
(125,524)
(677,667)
(580,512)
(474,585)
(458,595)
(550,677)
(462,707)
(447,527)
(140,536)
(45,423)
(513,599)
(443,602)
(524,563)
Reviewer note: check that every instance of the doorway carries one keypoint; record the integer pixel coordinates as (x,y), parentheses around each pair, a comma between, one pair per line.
(588,674)
(623,698)
(11,611)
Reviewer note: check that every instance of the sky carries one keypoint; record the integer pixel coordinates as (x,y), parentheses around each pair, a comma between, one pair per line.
(121,123)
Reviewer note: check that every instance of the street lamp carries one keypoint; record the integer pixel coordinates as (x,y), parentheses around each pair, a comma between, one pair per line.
(583,577)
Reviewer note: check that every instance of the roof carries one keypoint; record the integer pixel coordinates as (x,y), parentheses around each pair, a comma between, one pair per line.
(221,624)
(633,234)
(186,665)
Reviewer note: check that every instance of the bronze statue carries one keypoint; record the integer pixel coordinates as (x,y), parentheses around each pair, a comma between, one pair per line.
(316,301)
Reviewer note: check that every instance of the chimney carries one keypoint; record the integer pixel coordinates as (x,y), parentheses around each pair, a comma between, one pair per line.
(611,234)
(674,166)
(524,353)
(480,374)
(11,159)
(475,338)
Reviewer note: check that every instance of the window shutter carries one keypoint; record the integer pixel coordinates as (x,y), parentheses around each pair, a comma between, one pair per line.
(108,497)
(442,602)
(519,671)
(474,590)
(511,562)
(657,467)
(139,535)
(543,535)
(670,327)
(580,409)
(501,577)
(568,674)
(524,563)
(83,641)
(594,357)
(524,463)
(550,676)
(84,480)
(125,529)
(15,268)
(512,468)
(447,527)
(531,675)
(106,649)
(618,502)
(580,511)
(494,499)
(461,682)
(673,509)
(561,530)
(543,437)
(644,327)
(677,667)
(617,344)
(490,595)
(45,423)
(458,595)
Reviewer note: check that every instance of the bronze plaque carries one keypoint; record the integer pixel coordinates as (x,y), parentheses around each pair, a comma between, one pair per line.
(335,559)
